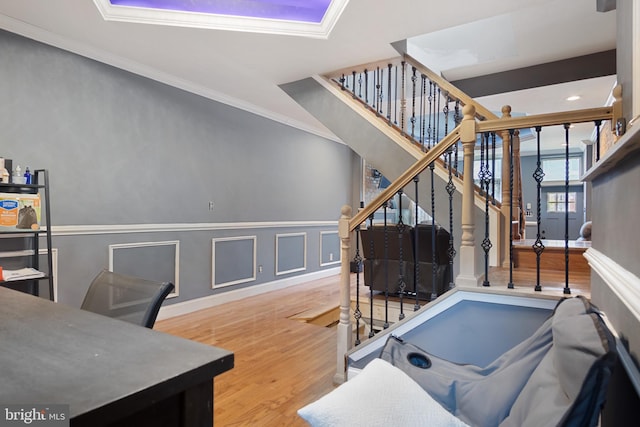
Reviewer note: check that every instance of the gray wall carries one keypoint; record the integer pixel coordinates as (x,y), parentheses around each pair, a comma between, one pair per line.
(122,149)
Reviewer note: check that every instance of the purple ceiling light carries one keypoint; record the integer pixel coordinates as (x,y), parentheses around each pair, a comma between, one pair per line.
(288,10)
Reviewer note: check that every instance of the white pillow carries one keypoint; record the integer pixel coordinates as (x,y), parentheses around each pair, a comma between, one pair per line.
(380,395)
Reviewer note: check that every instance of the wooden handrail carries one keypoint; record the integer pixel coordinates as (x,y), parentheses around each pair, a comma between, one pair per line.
(429,157)
(549,119)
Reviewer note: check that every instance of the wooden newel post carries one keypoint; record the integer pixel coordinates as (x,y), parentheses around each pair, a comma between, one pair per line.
(506,195)
(468,275)
(344,325)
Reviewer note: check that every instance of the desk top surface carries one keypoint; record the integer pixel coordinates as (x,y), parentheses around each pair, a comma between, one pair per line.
(51,353)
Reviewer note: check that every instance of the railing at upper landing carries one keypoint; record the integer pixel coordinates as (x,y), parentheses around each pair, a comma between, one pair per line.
(477,134)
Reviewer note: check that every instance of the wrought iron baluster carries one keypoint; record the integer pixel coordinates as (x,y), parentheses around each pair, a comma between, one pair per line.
(422,109)
(380,92)
(342,82)
(389,94)
(413,102)
(401,282)
(538,175)
(360,85)
(445,110)
(430,128)
(416,267)
(510,284)
(403,101)
(371,261)
(436,136)
(451,252)
(598,123)
(395,98)
(386,268)
(485,179)
(366,86)
(434,271)
(377,89)
(357,314)
(566,289)
(353,80)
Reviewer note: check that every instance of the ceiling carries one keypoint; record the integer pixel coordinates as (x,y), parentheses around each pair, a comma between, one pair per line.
(245,68)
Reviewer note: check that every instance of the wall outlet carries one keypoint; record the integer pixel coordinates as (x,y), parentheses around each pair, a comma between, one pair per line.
(259,269)
(211,206)
(330,256)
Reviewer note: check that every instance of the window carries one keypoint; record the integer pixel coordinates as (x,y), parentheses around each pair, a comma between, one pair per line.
(556,202)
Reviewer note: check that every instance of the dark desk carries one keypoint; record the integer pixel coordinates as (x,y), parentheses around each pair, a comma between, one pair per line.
(109,372)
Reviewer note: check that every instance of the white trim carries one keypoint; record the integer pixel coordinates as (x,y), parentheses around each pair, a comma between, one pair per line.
(82,49)
(73,230)
(621,281)
(176,259)
(186,307)
(304,255)
(251,278)
(339,260)
(142,15)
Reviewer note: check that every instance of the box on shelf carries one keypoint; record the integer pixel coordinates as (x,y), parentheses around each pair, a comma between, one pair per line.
(19,211)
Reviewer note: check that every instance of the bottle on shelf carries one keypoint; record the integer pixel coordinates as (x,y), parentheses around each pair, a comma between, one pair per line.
(17,178)
(27,176)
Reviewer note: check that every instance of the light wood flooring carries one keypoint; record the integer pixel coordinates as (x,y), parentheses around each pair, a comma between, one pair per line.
(283,364)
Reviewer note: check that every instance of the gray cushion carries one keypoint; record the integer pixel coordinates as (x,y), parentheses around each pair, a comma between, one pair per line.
(484,396)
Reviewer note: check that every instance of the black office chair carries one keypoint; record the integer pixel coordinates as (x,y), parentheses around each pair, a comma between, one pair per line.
(127,298)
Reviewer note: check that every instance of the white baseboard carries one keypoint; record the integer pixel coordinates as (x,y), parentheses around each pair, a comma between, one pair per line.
(622,282)
(190,306)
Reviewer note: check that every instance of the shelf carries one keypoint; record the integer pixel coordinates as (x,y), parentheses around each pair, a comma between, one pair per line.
(21,233)
(20,188)
(30,279)
(15,254)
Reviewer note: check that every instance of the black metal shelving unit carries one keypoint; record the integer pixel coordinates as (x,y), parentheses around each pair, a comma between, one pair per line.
(20,248)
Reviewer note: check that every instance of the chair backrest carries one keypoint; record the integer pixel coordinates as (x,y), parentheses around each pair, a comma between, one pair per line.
(127,298)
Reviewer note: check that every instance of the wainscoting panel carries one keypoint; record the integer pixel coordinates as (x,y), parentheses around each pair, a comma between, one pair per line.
(291,253)
(149,260)
(329,248)
(233,260)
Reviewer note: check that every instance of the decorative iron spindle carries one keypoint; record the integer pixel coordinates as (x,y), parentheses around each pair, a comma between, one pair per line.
(357,259)
(386,268)
(366,86)
(445,110)
(413,102)
(416,271)
(423,107)
(598,123)
(430,128)
(395,98)
(451,252)
(538,175)
(566,289)
(485,180)
(510,284)
(360,85)
(381,93)
(389,94)
(434,271)
(378,84)
(342,82)
(436,119)
(401,282)
(353,80)
(371,249)
(403,101)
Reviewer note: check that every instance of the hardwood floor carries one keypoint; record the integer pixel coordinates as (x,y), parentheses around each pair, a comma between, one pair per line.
(283,364)
(280,364)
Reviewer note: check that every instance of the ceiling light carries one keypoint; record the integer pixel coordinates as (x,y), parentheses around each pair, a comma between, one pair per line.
(573,98)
